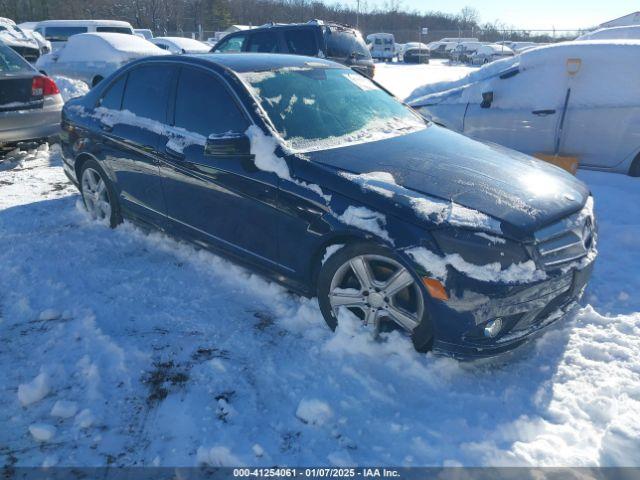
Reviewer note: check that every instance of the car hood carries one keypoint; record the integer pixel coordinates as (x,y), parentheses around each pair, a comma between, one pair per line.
(519,191)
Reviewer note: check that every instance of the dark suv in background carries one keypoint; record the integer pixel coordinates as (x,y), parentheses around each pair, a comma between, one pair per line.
(337,42)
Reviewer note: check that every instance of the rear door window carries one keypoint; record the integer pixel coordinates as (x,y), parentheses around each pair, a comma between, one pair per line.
(62,34)
(232,44)
(146,92)
(112,99)
(301,41)
(263,42)
(203,105)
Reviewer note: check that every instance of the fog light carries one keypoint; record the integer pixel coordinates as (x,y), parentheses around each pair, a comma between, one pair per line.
(493,328)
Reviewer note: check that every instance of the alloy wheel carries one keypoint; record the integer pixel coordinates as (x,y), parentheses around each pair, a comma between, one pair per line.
(96,195)
(377,288)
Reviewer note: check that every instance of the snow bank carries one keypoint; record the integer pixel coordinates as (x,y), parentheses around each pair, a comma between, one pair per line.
(314,411)
(34,391)
(70,88)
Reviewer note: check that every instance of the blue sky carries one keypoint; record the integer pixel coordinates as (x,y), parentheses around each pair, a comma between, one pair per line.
(532,14)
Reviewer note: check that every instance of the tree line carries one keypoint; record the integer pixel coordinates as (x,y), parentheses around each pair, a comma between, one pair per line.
(187,16)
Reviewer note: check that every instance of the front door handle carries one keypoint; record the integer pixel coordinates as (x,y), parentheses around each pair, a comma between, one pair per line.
(543,113)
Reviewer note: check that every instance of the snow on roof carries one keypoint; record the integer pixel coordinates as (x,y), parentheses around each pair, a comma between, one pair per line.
(613,33)
(188,44)
(494,48)
(107,47)
(75,23)
(625,52)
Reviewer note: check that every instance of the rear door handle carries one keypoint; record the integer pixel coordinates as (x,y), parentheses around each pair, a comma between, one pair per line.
(543,113)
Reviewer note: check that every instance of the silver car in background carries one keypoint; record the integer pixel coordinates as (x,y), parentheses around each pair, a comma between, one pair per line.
(30,103)
(91,57)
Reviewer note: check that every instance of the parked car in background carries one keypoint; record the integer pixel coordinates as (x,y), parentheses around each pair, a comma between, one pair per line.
(30,103)
(59,31)
(373,215)
(180,45)
(442,48)
(90,57)
(518,47)
(341,43)
(29,29)
(382,46)
(489,53)
(568,103)
(615,33)
(415,52)
(463,51)
(144,33)
(22,42)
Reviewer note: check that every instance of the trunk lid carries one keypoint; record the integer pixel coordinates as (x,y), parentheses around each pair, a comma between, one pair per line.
(16,94)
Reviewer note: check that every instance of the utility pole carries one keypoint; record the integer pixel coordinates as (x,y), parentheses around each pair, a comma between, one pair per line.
(357,13)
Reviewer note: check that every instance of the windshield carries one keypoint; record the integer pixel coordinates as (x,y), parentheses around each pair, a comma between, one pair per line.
(318,108)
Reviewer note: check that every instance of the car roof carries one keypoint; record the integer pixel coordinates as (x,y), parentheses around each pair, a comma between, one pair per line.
(69,23)
(256,62)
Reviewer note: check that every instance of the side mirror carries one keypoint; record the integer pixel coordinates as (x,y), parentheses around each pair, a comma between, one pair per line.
(487,100)
(228,145)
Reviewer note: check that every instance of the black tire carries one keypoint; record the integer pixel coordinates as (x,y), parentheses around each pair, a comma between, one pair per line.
(116,216)
(421,336)
(96,80)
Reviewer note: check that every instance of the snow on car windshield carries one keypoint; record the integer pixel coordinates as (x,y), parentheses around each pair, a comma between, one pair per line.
(319,108)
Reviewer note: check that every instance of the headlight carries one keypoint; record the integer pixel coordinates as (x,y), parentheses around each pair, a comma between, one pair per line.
(480,248)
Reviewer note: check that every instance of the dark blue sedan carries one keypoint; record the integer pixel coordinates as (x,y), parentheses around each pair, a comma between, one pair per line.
(317,177)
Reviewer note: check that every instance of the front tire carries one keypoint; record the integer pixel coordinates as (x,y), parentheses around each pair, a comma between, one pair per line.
(98,194)
(374,284)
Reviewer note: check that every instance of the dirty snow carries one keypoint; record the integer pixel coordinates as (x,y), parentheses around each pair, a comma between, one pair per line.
(153,334)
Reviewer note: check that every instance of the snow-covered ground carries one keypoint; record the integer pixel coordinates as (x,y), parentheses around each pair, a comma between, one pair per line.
(125,348)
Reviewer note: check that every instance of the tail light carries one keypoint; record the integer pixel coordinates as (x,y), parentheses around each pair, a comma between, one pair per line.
(43,87)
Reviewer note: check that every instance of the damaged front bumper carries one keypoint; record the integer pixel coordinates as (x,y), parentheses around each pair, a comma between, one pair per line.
(483,320)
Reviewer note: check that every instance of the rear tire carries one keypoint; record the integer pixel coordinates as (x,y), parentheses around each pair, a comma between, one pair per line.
(373,283)
(98,194)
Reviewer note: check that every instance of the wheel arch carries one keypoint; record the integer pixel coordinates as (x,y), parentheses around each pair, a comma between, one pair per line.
(80,160)
(340,238)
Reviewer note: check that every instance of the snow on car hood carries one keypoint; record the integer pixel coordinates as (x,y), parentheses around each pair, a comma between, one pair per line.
(517,190)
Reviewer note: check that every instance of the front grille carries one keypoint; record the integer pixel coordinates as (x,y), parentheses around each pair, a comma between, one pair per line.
(568,240)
